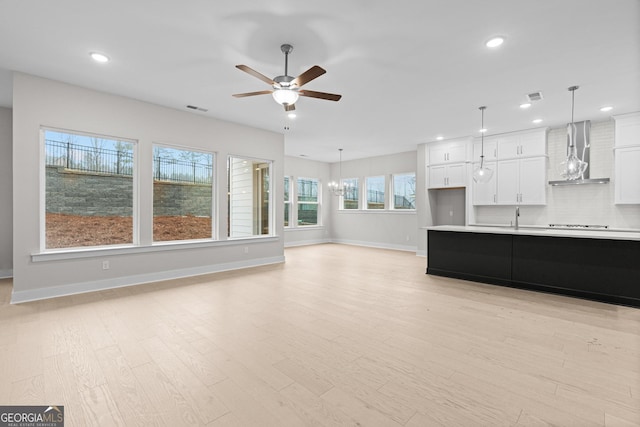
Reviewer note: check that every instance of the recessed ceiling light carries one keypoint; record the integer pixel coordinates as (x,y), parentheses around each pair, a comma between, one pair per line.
(99,57)
(536,121)
(483,130)
(440,138)
(494,42)
(291,115)
(525,105)
(607,108)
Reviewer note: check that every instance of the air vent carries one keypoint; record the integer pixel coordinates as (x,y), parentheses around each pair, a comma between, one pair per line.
(193,107)
(534,96)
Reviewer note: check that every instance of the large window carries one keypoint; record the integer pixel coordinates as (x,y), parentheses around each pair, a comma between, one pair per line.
(404,191)
(182,194)
(307,197)
(375,192)
(287,201)
(350,199)
(249,190)
(89,191)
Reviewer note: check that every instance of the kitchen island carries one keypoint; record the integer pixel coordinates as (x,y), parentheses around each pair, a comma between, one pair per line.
(597,265)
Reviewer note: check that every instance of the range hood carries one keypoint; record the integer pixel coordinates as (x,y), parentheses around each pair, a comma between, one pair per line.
(579,134)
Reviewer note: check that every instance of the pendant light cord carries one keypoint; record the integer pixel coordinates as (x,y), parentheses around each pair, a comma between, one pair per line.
(482,137)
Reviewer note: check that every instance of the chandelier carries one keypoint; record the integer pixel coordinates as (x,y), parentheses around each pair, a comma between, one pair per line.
(339,188)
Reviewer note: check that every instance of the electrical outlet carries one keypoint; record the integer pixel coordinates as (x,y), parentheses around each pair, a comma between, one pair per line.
(246,249)
(450,213)
(105,265)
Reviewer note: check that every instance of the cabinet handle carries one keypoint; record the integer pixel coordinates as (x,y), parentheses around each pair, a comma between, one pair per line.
(495,152)
(494,198)
(521,149)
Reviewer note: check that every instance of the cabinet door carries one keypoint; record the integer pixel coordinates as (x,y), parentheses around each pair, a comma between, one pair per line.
(456,175)
(484,193)
(507,183)
(627,130)
(490,150)
(508,147)
(438,153)
(627,175)
(533,188)
(437,176)
(533,144)
(457,152)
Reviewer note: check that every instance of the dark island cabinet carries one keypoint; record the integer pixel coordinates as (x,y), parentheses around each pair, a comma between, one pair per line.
(598,269)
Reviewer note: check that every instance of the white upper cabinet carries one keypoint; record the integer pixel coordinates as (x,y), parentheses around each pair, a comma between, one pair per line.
(447,176)
(490,149)
(522,181)
(627,175)
(522,144)
(627,159)
(627,130)
(453,151)
(484,193)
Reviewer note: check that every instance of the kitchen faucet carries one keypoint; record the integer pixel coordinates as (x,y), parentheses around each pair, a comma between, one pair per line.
(517,215)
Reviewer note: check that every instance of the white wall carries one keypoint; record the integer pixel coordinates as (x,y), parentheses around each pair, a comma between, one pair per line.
(297,167)
(574,204)
(385,229)
(6,216)
(39,102)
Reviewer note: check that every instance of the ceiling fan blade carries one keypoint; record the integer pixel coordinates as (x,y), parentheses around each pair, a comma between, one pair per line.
(307,76)
(254,73)
(289,107)
(262,92)
(321,95)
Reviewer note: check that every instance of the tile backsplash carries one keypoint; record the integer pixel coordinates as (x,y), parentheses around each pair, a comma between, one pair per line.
(574,204)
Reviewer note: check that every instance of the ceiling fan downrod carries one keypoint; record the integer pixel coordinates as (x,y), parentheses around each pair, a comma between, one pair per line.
(286,49)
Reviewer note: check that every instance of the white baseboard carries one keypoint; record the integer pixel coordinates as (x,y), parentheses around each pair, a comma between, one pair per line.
(376,245)
(306,242)
(18,297)
(6,274)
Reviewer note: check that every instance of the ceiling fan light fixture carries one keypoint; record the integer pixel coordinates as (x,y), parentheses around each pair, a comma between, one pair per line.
(285,96)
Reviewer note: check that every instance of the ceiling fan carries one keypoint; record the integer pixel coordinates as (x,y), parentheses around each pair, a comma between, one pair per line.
(286,89)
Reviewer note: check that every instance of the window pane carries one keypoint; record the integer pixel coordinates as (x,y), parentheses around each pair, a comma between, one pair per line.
(375,192)
(249,197)
(307,214)
(286,214)
(351,196)
(404,191)
(182,194)
(286,188)
(307,190)
(88,190)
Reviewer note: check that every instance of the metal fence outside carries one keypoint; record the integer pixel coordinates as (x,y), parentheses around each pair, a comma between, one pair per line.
(120,162)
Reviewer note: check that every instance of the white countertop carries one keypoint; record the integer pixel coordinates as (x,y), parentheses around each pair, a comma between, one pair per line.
(541,231)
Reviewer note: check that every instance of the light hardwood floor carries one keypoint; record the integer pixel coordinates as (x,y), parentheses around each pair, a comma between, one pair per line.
(338,335)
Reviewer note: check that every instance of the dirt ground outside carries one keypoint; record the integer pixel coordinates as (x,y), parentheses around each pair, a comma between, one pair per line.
(66,231)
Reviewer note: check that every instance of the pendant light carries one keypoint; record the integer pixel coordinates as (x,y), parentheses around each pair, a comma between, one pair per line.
(572,168)
(482,174)
(337,188)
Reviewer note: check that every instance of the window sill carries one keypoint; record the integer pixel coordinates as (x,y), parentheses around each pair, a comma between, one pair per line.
(378,211)
(304,228)
(95,252)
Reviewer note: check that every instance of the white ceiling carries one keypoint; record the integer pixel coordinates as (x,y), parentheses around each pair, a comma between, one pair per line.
(408,70)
